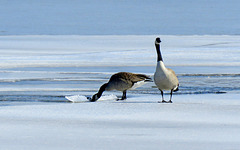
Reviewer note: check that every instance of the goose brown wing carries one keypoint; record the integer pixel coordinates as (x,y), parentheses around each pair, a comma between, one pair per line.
(142,77)
(129,77)
(171,71)
(138,77)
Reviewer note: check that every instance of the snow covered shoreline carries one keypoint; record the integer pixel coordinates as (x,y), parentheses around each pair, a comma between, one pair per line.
(192,122)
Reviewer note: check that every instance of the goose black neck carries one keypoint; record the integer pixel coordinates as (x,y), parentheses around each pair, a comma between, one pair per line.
(101,90)
(159,55)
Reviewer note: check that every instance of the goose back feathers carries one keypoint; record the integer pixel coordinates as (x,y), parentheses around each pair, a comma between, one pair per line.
(121,81)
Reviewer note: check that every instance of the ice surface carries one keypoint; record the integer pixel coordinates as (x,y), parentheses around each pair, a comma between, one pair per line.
(82,98)
(191,122)
(82,51)
(77,98)
(107,97)
(79,65)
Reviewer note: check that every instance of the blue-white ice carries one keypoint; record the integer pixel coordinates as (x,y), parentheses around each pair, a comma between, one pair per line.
(37,72)
(55,48)
(79,51)
(82,98)
(192,122)
(69,65)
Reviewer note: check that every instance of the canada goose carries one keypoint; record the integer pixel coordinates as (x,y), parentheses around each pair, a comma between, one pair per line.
(164,78)
(121,81)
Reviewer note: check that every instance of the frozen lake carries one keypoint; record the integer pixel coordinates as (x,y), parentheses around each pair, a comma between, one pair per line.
(37,72)
(52,49)
(46,68)
(53,84)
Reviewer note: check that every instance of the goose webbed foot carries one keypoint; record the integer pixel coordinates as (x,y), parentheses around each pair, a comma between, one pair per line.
(163,101)
(124,96)
(121,99)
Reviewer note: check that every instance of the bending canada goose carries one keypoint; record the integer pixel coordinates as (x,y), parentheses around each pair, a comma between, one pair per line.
(121,81)
(164,78)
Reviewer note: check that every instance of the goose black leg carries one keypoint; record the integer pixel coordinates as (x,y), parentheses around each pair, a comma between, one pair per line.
(163,101)
(170,101)
(124,96)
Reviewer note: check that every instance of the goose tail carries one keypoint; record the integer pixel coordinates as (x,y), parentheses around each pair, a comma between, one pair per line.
(145,78)
(148,80)
(176,88)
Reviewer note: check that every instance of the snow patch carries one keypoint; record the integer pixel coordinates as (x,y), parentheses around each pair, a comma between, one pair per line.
(108,97)
(76,98)
(82,98)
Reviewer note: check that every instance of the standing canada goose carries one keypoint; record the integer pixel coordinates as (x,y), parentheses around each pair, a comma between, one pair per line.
(121,81)
(164,78)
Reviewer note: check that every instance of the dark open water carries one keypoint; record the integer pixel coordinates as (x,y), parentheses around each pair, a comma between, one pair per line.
(53,84)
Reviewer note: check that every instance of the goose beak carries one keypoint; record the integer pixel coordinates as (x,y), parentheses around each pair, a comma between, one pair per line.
(94,98)
(158,40)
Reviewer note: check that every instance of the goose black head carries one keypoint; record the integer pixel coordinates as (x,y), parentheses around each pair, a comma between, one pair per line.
(158,40)
(94,98)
